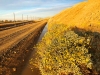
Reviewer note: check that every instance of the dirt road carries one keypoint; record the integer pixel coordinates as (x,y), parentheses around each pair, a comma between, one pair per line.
(6,26)
(16,44)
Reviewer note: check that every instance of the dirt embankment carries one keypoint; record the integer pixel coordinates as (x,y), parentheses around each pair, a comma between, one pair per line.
(83,19)
(85,15)
(16,45)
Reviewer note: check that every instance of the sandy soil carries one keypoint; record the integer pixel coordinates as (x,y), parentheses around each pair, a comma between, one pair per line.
(84,15)
(16,44)
(6,26)
(13,36)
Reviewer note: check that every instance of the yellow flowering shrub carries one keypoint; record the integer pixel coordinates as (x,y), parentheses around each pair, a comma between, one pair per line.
(93,47)
(62,51)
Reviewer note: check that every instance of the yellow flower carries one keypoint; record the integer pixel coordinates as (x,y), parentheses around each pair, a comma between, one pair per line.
(81,41)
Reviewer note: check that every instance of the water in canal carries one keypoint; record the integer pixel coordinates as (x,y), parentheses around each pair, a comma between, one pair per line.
(27,70)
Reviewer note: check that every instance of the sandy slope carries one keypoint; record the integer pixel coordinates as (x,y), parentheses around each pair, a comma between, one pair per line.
(83,15)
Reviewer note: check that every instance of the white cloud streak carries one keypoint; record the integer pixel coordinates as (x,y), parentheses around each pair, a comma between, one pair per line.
(40,8)
(39,12)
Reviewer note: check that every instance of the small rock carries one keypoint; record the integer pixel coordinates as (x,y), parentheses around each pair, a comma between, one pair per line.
(14,52)
(23,59)
(14,69)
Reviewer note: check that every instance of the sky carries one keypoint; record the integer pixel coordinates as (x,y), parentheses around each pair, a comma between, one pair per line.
(32,8)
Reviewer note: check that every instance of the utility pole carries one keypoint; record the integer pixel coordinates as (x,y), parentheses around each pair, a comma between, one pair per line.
(33,17)
(27,17)
(22,17)
(14,16)
(30,18)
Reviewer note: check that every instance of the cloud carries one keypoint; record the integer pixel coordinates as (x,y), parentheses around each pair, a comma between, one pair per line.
(41,8)
(28,4)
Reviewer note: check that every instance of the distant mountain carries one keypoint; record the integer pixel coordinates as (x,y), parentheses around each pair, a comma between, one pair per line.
(85,15)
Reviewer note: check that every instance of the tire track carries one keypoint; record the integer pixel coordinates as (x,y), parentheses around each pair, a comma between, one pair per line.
(7,38)
(12,41)
(13,58)
(6,26)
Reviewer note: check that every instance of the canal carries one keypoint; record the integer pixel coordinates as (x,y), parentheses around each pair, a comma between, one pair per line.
(27,69)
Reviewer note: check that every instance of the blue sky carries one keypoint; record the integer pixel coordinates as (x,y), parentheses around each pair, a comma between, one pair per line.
(33,8)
